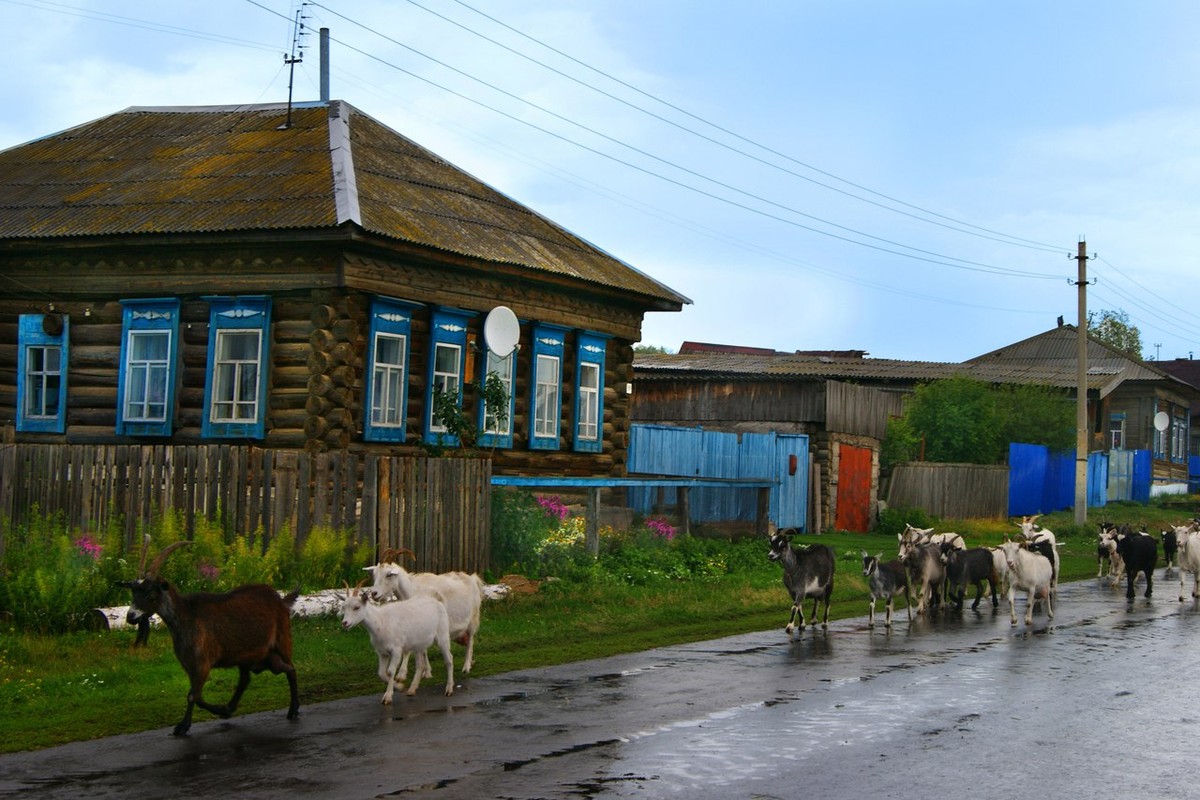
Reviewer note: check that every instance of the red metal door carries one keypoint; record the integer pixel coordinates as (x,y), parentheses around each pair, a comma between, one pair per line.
(854,489)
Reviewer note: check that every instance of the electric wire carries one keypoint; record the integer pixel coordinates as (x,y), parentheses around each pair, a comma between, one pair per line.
(980,232)
(926,256)
(739,137)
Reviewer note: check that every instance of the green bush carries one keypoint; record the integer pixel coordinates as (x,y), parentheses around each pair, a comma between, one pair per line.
(892,521)
(519,526)
(52,578)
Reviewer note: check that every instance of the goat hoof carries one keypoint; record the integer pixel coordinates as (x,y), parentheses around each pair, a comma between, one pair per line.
(180,730)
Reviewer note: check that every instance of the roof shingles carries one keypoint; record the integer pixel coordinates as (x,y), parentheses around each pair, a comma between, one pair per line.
(227,169)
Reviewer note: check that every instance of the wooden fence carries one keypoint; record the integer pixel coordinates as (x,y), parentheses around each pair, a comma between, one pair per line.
(950,491)
(439,508)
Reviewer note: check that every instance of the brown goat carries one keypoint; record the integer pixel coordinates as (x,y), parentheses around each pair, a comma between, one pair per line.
(248,628)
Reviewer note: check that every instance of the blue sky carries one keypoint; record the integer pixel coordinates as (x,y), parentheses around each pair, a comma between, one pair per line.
(909,179)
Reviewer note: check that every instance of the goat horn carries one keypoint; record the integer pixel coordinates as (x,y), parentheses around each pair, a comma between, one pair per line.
(396,552)
(145,552)
(157,563)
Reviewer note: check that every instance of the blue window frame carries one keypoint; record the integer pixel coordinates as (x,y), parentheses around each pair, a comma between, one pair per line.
(235,383)
(447,357)
(494,431)
(590,349)
(42,356)
(149,355)
(546,387)
(386,415)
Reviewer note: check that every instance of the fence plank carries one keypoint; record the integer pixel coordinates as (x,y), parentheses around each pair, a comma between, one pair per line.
(439,508)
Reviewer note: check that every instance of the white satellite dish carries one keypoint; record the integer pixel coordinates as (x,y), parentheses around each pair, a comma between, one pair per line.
(1161,421)
(501,331)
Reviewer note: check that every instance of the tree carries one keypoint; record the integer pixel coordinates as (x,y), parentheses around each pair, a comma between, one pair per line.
(1115,330)
(651,348)
(965,420)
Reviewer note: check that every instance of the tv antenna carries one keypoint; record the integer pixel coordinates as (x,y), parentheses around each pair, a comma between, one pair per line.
(296,56)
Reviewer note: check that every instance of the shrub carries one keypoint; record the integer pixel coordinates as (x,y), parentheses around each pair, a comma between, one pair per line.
(520,524)
(51,578)
(892,521)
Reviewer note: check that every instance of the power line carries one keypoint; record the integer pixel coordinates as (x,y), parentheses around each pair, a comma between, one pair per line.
(926,255)
(1007,238)
(134,22)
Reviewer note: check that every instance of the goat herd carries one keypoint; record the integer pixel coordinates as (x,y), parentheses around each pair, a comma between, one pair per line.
(939,567)
(406,613)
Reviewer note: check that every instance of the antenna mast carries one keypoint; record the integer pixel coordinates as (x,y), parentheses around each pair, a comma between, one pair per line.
(295,57)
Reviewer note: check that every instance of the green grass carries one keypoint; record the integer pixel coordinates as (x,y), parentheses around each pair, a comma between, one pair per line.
(58,689)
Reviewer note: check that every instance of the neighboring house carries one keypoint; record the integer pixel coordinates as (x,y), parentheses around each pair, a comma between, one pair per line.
(1188,371)
(1125,395)
(210,274)
(842,401)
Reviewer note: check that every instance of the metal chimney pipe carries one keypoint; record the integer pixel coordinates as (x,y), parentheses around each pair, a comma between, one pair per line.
(324,65)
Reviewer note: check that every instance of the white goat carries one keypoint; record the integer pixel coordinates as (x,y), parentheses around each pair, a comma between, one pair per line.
(1188,538)
(1031,572)
(912,537)
(462,593)
(398,629)
(1037,535)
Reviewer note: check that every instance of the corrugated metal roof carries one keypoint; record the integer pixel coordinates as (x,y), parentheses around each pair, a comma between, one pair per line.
(1058,347)
(225,169)
(787,366)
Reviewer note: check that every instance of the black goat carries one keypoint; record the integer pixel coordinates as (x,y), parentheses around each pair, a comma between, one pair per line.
(886,580)
(1170,546)
(248,628)
(807,572)
(1139,552)
(968,567)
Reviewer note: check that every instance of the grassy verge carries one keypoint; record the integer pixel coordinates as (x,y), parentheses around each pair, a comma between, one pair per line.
(58,689)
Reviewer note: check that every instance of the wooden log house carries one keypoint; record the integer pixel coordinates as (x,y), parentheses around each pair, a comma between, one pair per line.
(209,274)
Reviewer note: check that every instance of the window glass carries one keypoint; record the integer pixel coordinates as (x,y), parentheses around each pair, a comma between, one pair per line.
(386,419)
(235,390)
(590,352)
(447,366)
(42,358)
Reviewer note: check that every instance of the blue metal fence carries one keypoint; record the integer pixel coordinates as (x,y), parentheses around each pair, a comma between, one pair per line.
(695,452)
(1041,482)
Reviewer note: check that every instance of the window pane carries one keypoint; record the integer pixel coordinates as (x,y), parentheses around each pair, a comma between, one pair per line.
(235,376)
(546,410)
(237,345)
(387,380)
(589,401)
(149,346)
(502,367)
(42,381)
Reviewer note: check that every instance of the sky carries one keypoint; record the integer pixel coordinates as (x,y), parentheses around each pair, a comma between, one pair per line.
(907,179)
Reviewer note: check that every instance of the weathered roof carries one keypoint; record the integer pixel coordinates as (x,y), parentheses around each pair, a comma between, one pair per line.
(1017,363)
(207,169)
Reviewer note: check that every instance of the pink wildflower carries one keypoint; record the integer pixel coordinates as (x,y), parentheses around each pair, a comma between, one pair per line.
(554,507)
(661,528)
(89,547)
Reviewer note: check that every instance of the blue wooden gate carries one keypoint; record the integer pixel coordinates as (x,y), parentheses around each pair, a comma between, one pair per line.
(697,453)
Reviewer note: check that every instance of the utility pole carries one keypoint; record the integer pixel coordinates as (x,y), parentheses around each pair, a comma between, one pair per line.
(1081,392)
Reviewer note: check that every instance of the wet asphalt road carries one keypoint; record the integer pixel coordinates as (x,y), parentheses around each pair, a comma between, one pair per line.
(1102,700)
